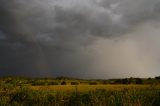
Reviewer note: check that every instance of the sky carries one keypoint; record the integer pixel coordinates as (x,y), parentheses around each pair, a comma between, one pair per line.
(80,38)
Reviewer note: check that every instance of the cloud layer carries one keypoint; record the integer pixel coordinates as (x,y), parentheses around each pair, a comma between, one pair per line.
(81,38)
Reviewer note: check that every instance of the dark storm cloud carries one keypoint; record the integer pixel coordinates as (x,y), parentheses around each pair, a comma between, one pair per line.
(54,37)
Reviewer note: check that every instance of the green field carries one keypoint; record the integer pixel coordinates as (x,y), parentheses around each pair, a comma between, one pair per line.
(84,88)
(78,92)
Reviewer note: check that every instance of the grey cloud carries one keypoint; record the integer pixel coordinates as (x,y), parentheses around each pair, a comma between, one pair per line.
(2,36)
(56,37)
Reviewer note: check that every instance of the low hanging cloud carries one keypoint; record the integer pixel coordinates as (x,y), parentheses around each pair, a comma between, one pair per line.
(81,38)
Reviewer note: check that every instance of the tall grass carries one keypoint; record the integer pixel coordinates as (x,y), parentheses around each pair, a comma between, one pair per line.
(24,96)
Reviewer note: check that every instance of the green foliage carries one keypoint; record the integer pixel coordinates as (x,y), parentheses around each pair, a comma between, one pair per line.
(63,83)
(74,83)
(157,78)
(100,97)
(92,83)
(65,78)
(52,83)
(129,81)
(18,92)
(43,83)
(139,81)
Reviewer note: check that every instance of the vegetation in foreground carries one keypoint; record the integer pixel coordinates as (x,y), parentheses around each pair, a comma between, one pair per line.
(76,92)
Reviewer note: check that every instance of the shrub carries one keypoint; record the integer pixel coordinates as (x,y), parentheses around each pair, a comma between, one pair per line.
(157,78)
(53,83)
(37,83)
(139,81)
(74,83)
(63,83)
(92,83)
(125,81)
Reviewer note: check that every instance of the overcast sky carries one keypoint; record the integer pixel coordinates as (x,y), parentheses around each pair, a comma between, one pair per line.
(80,38)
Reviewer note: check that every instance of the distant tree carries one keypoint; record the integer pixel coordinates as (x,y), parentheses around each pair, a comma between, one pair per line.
(125,81)
(157,78)
(139,81)
(130,80)
(63,83)
(74,83)
(92,83)
(61,78)
(52,83)
(65,78)
(105,82)
(118,81)
(37,83)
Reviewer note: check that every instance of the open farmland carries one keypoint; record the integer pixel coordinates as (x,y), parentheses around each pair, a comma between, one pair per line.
(84,88)
(78,92)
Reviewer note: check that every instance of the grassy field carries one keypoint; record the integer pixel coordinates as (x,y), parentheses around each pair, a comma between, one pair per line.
(84,88)
(62,92)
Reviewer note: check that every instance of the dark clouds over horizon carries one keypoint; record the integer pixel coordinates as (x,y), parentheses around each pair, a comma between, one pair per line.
(81,38)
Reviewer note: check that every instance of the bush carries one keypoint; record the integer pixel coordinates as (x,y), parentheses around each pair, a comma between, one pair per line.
(74,83)
(63,83)
(53,83)
(157,78)
(92,83)
(139,81)
(122,81)
(38,83)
